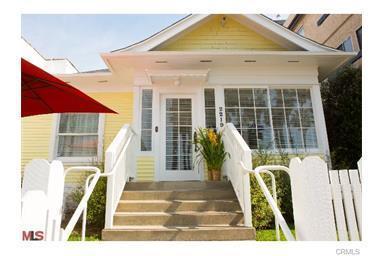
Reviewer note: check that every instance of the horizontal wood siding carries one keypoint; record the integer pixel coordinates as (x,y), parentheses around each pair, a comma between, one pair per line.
(213,35)
(145,168)
(35,138)
(37,131)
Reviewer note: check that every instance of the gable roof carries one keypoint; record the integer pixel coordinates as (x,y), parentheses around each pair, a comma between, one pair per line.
(257,22)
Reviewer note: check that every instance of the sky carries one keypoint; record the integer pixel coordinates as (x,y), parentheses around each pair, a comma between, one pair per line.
(81,38)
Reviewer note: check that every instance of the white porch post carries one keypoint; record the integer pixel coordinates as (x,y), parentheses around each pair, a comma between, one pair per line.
(321,128)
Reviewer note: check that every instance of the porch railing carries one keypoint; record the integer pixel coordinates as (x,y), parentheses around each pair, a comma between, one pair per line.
(119,166)
(238,168)
(239,153)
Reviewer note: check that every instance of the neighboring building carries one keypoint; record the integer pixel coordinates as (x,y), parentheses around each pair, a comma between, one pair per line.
(202,71)
(340,31)
(54,66)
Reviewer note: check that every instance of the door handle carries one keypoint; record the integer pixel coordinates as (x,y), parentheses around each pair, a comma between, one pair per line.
(156,128)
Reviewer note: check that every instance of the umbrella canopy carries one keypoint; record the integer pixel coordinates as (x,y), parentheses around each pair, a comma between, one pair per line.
(43,93)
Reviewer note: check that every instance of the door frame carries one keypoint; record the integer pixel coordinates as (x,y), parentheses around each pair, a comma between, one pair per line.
(197,94)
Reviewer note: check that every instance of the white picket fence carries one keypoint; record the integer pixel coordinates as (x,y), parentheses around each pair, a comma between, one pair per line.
(326,204)
(346,195)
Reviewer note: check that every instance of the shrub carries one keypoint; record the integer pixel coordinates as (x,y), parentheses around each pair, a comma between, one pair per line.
(341,96)
(262,215)
(96,203)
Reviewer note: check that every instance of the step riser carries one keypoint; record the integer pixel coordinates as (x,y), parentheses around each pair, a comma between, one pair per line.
(198,235)
(179,195)
(180,220)
(175,185)
(178,206)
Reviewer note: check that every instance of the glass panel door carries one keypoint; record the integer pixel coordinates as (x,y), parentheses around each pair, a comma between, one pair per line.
(178,150)
(178,139)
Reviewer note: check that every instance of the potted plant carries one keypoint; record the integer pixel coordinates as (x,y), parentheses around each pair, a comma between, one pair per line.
(210,147)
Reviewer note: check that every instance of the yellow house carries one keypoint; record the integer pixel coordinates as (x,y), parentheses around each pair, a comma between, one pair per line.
(203,71)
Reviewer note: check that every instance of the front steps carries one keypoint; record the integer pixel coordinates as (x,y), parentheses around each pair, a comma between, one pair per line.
(185,210)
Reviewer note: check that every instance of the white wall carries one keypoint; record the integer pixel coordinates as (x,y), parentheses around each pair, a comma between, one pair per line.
(54,66)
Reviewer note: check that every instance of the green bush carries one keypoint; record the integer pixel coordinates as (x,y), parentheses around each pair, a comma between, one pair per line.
(262,215)
(96,203)
(341,96)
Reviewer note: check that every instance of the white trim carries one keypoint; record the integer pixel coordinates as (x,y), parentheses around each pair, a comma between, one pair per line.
(192,20)
(166,34)
(77,160)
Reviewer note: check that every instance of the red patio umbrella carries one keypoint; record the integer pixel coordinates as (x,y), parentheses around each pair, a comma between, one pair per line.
(43,93)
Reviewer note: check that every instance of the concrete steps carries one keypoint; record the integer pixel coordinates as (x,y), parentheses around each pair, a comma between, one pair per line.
(185,210)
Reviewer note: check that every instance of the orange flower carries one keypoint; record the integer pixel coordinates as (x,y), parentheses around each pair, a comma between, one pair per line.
(212,137)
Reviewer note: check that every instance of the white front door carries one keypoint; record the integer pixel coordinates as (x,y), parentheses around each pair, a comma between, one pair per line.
(178,122)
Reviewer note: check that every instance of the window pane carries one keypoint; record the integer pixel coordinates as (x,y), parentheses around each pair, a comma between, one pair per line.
(262,117)
(293,119)
(172,147)
(147,98)
(79,123)
(290,99)
(278,118)
(146,140)
(276,98)
(304,98)
(310,140)
(186,133)
(281,138)
(172,105)
(77,146)
(146,119)
(172,118)
(209,97)
(348,45)
(248,118)
(246,98)
(171,163)
(295,138)
(261,98)
(232,116)
(210,118)
(250,137)
(265,139)
(307,118)
(185,104)
(185,118)
(210,110)
(231,98)
(359,34)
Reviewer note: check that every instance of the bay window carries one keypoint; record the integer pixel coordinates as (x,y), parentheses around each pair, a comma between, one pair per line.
(272,118)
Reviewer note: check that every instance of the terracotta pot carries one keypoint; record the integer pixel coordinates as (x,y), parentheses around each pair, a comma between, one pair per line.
(216,175)
(210,175)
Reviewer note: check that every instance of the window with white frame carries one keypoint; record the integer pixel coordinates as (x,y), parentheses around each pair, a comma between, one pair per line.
(346,45)
(272,119)
(210,109)
(78,135)
(146,120)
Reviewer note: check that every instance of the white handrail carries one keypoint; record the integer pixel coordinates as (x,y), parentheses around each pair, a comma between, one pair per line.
(239,151)
(114,165)
(272,203)
(65,233)
(274,194)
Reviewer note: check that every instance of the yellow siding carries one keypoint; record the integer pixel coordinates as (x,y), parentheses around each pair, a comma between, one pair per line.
(35,138)
(122,103)
(145,168)
(37,131)
(213,36)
